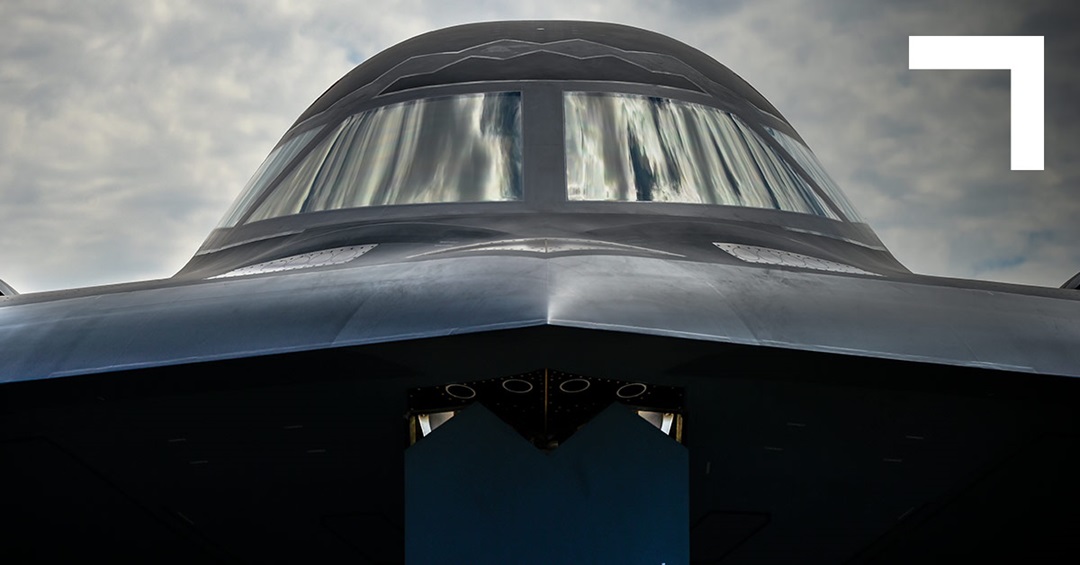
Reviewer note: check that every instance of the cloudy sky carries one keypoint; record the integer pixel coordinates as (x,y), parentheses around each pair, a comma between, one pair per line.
(127,127)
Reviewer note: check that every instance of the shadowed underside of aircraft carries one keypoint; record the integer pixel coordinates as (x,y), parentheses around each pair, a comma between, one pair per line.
(541,292)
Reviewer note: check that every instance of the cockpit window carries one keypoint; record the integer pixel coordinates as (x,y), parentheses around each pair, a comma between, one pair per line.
(268,170)
(809,162)
(450,149)
(624,147)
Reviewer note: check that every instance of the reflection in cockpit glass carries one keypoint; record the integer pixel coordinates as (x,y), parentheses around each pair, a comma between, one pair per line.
(623,147)
(809,162)
(451,149)
(275,162)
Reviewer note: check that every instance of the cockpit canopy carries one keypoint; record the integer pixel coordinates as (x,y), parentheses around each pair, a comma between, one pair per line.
(618,147)
(569,127)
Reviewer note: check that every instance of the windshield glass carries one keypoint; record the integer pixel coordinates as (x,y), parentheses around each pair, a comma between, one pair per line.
(809,162)
(270,168)
(624,147)
(451,149)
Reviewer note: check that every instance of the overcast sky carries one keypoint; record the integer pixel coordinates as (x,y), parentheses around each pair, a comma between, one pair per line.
(127,127)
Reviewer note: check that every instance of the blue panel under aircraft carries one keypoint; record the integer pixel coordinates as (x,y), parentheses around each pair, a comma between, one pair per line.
(477,492)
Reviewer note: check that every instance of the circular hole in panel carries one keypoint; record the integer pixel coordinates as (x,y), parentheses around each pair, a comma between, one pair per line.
(463,392)
(574,385)
(517,386)
(631,390)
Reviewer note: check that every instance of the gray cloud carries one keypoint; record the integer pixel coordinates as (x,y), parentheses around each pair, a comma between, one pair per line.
(127,128)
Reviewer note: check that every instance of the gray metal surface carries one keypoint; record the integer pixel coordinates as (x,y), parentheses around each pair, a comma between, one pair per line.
(180,322)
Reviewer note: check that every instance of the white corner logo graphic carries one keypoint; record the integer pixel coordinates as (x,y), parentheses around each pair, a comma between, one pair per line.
(1022,55)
